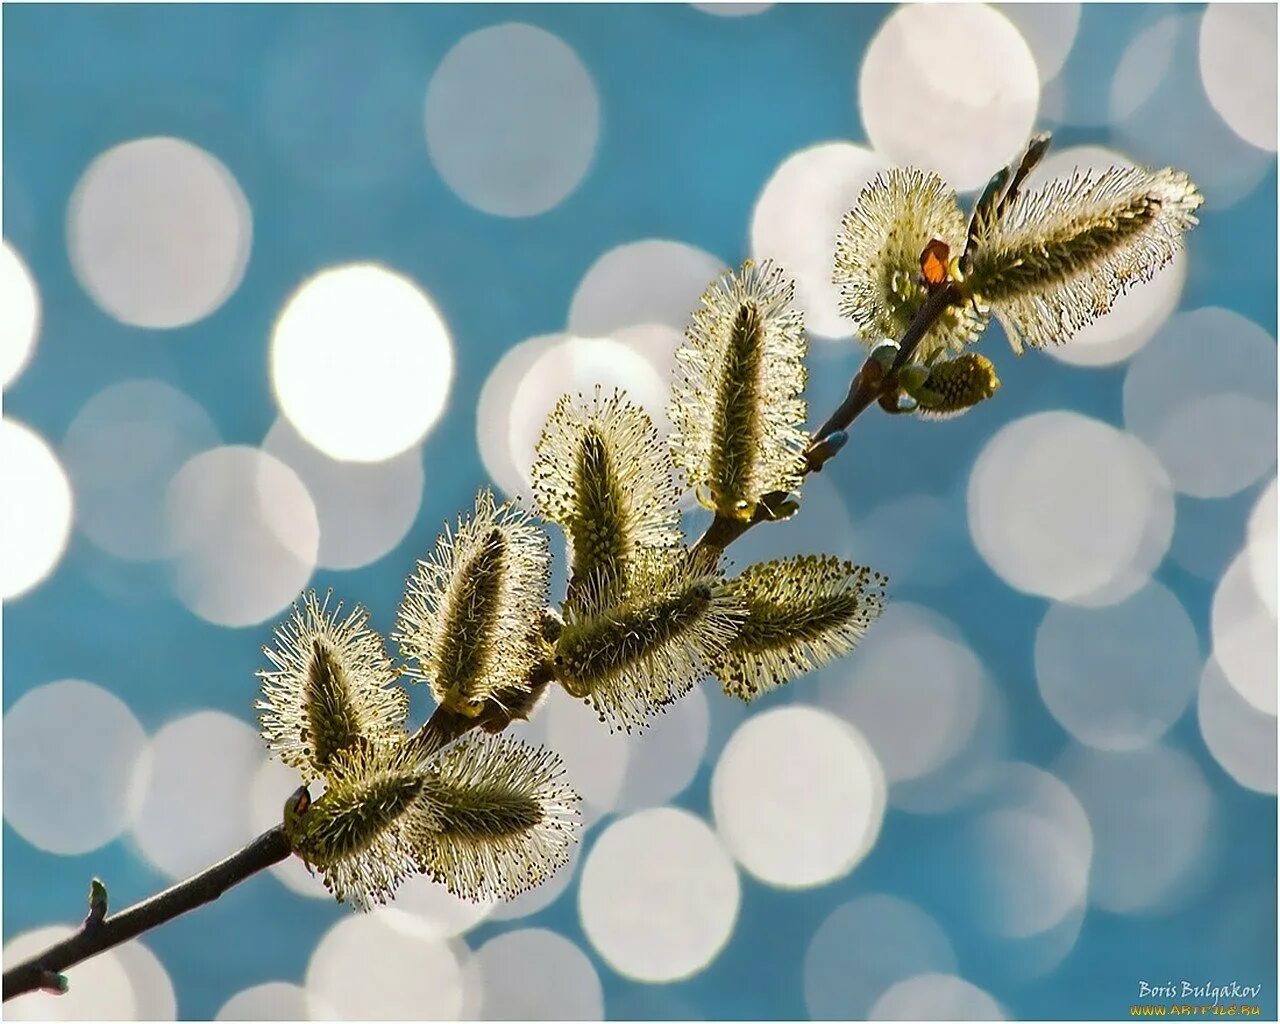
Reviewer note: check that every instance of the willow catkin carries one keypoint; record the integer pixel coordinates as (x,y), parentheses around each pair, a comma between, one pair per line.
(505,817)
(877,260)
(469,619)
(736,404)
(604,475)
(633,657)
(799,613)
(367,832)
(1060,256)
(953,386)
(330,685)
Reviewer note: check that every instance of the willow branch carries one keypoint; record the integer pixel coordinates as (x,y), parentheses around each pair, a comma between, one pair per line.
(872,380)
(100,933)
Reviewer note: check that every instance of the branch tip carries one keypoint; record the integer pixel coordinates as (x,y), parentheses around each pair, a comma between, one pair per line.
(54,983)
(97,904)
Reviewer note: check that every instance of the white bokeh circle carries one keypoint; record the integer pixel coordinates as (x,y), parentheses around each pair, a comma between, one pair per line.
(936,997)
(1151,812)
(1243,629)
(1215,445)
(1161,114)
(657,344)
(159,232)
(1038,490)
(1049,29)
(1143,68)
(1240,737)
(535,974)
(978,738)
(1202,396)
(244,532)
(70,749)
(650,281)
(798,796)
(894,938)
(659,895)
(915,691)
(1260,546)
(493,412)
(1027,854)
(949,87)
(121,452)
(1033,877)
(272,1000)
(35,517)
(512,119)
(19,314)
(192,783)
(1238,68)
(365,969)
(797,217)
(1118,677)
(1040,955)
(731,9)
(99,988)
(361,362)
(364,509)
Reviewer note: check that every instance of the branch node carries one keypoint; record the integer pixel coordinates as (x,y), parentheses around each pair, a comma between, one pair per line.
(97,904)
(54,983)
(825,449)
(774,506)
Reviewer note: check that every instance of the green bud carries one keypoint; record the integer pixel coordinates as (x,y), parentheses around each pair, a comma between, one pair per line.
(97,903)
(950,388)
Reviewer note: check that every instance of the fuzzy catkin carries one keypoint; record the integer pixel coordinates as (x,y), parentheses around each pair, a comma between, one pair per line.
(632,658)
(366,833)
(736,404)
(799,613)
(331,684)
(956,385)
(1061,255)
(468,623)
(604,475)
(877,260)
(506,818)
(332,716)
